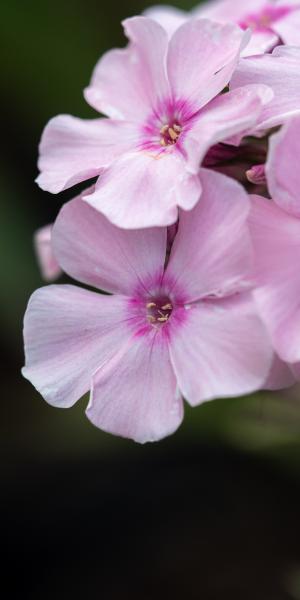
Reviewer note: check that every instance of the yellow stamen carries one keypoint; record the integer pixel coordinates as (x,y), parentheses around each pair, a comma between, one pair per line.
(164,129)
(167,307)
(151,318)
(151,305)
(173,135)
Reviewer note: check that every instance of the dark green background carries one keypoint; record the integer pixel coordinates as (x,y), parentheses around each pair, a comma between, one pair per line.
(212,512)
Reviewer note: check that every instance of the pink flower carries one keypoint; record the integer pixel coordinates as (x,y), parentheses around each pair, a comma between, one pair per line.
(49,267)
(165,108)
(186,327)
(272,21)
(275,229)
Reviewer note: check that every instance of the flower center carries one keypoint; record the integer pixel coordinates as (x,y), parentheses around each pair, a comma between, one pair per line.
(159,310)
(169,134)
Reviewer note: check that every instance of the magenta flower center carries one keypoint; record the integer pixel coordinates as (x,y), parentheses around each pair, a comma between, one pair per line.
(159,310)
(169,134)
(263,20)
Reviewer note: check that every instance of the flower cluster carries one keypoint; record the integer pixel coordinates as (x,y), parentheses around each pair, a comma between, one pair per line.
(190,227)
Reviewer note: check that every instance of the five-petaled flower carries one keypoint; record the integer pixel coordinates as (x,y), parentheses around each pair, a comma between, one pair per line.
(178,325)
(165,108)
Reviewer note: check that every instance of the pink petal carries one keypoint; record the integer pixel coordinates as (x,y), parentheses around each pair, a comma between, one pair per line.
(269,69)
(260,42)
(276,240)
(280,376)
(225,11)
(228,115)
(136,396)
(282,169)
(69,332)
(288,27)
(169,17)
(144,190)
(49,267)
(73,150)
(220,350)
(201,58)
(95,252)
(127,83)
(212,253)
(295,368)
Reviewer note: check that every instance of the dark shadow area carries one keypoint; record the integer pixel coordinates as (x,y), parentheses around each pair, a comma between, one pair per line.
(192,523)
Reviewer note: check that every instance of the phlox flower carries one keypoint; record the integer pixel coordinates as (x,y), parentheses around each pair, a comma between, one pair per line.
(272,22)
(165,111)
(275,230)
(176,324)
(48,264)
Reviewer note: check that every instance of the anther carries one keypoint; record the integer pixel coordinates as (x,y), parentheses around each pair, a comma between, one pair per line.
(164,129)
(173,135)
(151,318)
(169,134)
(159,311)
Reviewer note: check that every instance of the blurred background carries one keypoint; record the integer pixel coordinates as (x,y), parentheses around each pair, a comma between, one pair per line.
(210,513)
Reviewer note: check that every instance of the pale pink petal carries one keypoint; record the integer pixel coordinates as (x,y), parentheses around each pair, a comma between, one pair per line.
(73,150)
(70,332)
(172,18)
(221,349)
(136,396)
(225,11)
(128,83)
(212,253)
(144,190)
(228,115)
(49,267)
(269,69)
(282,168)
(93,251)
(295,368)
(280,376)
(260,42)
(288,27)
(276,240)
(201,58)
(169,17)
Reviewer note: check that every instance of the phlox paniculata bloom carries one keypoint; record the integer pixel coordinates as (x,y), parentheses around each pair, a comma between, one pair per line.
(179,320)
(165,110)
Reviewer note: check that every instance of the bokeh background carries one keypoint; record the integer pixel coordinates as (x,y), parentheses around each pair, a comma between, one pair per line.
(210,513)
